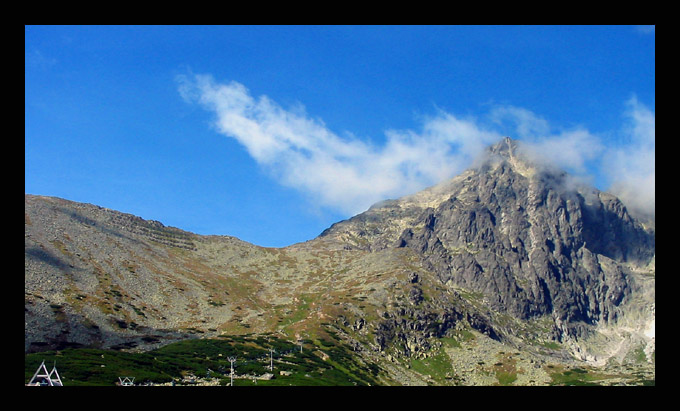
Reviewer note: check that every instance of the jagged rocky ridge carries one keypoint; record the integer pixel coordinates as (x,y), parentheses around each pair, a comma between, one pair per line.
(511,249)
(523,235)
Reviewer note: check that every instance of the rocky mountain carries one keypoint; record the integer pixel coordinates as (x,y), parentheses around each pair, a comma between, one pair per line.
(524,236)
(511,263)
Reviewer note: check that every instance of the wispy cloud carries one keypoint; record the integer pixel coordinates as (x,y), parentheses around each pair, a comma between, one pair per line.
(345,174)
(567,149)
(631,166)
(627,166)
(348,175)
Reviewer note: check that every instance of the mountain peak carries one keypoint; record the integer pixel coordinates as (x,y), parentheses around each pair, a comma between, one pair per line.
(512,152)
(514,231)
(504,148)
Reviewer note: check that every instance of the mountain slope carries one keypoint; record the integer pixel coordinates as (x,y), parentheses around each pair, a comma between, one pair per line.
(508,254)
(524,237)
(529,240)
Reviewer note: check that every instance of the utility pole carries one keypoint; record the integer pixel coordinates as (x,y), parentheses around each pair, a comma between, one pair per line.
(232,360)
(271,360)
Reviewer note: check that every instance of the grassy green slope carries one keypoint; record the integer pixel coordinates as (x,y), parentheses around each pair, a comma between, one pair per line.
(320,362)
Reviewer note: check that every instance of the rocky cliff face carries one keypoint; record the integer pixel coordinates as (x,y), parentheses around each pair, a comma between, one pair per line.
(528,238)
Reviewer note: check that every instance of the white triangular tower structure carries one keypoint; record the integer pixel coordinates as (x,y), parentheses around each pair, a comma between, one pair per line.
(126,381)
(44,378)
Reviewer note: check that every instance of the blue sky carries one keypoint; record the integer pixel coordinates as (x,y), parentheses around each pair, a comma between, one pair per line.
(271,134)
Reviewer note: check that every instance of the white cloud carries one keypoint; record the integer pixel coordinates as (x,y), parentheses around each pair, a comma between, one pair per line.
(345,174)
(349,175)
(527,124)
(631,166)
(568,149)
